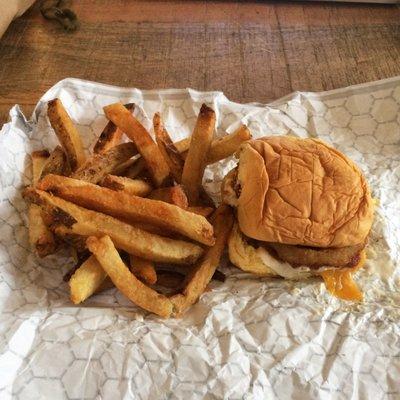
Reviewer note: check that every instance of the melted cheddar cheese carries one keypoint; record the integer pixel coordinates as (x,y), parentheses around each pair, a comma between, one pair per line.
(340,283)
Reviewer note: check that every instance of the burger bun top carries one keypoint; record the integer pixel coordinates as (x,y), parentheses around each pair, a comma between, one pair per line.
(299,191)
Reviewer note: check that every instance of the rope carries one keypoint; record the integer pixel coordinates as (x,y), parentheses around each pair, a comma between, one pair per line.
(59,10)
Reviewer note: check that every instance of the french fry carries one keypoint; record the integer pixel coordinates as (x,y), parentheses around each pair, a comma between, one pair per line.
(40,236)
(130,208)
(173,195)
(135,187)
(204,211)
(57,163)
(79,242)
(195,162)
(136,169)
(202,273)
(99,165)
(227,145)
(176,159)
(155,162)
(80,283)
(66,132)
(79,258)
(183,146)
(220,148)
(143,269)
(155,229)
(86,280)
(136,291)
(111,135)
(168,149)
(135,241)
(39,160)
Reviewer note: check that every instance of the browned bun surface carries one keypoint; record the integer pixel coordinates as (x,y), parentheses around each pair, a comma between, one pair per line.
(301,192)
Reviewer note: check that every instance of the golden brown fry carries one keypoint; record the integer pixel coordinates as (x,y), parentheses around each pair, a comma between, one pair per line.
(155,229)
(136,169)
(39,159)
(66,132)
(135,241)
(99,165)
(227,145)
(86,280)
(143,269)
(220,148)
(57,163)
(135,187)
(173,195)
(168,149)
(40,236)
(203,272)
(130,208)
(195,162)
(155,162)
(183,146)
(204,211)
(111,135)
(136,291)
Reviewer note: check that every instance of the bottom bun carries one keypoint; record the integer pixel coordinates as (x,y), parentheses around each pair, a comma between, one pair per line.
(261,262)
(245,256)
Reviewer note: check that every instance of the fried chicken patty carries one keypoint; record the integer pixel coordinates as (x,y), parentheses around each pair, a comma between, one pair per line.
(315,257)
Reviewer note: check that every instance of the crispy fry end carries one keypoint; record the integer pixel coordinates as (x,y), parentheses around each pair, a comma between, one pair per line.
(66,132)
(196,159)
(86,280)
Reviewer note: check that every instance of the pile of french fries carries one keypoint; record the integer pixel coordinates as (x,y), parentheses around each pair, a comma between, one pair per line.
(135,214)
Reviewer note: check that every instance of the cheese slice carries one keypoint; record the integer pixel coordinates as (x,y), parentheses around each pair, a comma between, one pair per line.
(340,283)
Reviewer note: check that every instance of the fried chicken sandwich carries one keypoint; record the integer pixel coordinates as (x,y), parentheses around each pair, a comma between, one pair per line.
(303,209)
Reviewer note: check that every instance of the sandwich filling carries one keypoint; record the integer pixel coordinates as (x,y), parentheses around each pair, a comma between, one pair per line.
(256,257)
(316,257)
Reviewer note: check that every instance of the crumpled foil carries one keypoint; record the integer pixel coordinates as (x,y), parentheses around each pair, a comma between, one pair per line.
(247,338)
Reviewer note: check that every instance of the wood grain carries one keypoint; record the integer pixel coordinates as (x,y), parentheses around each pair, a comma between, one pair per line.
(252,51)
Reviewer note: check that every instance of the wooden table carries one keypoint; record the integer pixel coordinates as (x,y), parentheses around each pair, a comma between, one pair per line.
(252,51)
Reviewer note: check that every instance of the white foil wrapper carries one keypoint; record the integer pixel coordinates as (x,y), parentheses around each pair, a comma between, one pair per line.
(247,338)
